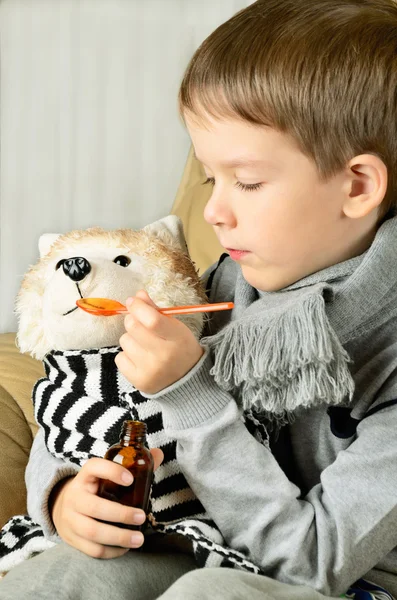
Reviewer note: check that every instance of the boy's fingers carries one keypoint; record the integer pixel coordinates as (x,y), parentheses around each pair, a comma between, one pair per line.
(137,339)
(126,366)
(107,534)
(100,468)
(97,550)
(153,320)
(102,509)
(146,314)
(140,295)
(158,457)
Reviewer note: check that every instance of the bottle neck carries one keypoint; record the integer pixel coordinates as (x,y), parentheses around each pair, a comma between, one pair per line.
(133,432)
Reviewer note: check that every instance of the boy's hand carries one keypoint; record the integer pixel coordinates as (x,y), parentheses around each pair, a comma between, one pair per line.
(157,349)
(75,509)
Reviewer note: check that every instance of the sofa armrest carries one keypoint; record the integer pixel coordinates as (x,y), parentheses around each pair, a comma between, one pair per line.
(15,442)
(18,373)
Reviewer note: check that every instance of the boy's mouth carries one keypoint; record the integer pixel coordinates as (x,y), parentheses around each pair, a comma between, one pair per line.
(237,254)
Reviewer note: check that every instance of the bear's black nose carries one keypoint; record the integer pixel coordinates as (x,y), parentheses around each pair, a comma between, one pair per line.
(76,268)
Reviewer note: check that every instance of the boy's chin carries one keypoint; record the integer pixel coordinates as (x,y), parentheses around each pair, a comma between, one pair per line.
(267,279)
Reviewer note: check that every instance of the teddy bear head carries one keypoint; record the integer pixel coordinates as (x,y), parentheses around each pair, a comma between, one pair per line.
(95,263)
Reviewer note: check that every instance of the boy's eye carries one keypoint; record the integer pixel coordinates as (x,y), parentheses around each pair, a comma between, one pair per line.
(246,187)
(122,260)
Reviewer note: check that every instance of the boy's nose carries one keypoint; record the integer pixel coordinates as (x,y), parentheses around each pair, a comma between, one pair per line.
(218,210)
(76,268)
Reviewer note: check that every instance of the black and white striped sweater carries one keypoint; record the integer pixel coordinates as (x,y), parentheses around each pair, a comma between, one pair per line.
(81,405)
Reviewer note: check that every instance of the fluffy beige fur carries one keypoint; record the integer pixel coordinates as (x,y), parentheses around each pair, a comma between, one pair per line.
(159,264)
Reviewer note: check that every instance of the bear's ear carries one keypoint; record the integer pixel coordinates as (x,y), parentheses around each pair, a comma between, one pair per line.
(170,231)
(46,241)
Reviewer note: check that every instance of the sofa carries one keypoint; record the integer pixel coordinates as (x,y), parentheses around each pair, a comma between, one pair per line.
(19,372)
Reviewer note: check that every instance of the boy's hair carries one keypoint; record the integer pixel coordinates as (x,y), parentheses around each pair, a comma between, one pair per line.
(322,71)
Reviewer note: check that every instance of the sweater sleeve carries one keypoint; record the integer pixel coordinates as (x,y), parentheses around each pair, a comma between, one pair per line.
(335,534)
(43,472)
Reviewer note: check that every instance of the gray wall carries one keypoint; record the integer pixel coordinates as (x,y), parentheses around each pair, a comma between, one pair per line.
(89,131)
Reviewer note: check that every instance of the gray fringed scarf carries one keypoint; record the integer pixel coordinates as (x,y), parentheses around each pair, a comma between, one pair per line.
(285,350)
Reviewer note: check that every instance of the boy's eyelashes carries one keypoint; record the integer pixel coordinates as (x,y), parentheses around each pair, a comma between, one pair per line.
(246,187)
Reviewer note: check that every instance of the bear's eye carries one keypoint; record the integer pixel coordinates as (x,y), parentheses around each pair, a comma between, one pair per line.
(122,260)
(59,264)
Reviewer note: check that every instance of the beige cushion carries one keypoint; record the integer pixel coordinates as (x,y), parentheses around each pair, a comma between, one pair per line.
(189,204)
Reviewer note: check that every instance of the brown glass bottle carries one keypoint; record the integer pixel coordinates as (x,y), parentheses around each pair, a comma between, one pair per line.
(132,454)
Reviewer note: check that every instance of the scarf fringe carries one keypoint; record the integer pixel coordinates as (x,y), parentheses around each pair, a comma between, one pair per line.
(291,359)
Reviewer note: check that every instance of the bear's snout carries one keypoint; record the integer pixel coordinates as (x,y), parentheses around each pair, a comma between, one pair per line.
(76,268)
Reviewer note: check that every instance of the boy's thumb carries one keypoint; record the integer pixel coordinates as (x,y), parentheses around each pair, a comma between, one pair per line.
(143,295)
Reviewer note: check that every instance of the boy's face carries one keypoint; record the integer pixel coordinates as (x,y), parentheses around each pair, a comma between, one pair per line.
(291,223)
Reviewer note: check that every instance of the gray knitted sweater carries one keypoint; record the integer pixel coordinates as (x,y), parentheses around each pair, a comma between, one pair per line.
(318,505)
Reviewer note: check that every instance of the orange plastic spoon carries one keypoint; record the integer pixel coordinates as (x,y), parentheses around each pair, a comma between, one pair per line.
(104,307)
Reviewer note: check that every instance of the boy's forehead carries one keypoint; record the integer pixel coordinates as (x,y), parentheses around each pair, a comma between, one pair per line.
(239,161)
(233,144)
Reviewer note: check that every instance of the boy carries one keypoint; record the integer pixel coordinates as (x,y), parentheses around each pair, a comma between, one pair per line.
(291,107)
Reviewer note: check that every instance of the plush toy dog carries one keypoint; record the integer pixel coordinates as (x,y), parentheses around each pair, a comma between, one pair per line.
(84,399)
(82,402)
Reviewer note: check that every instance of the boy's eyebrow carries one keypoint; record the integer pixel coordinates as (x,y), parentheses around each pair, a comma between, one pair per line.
(238,162)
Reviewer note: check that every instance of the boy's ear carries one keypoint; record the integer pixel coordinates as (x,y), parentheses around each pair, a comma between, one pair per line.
(367,185)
